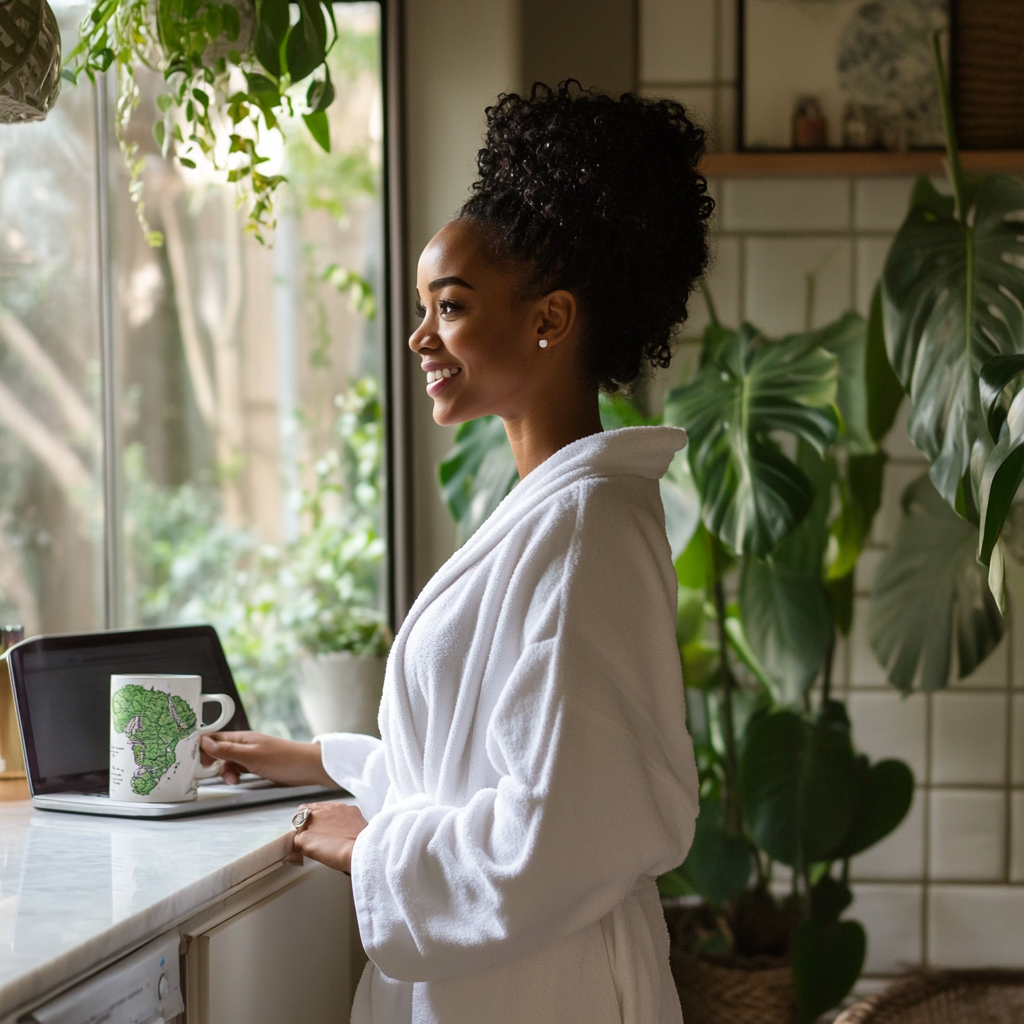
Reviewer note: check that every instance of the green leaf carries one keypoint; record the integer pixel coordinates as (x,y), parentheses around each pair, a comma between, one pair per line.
(784,606)
(320,94)
(319,128)
(752,388)
(232,22)
(953,297)
(929,592)
(617,411)
(827,960)
(1001,476)
(695,565)
(788,622)
(846,339)
(718,864)
(996,373)
(797,785)
(307,43)
(886,793)
(884,390)
(860,497)
(681,500)
(272,23)
(477,473)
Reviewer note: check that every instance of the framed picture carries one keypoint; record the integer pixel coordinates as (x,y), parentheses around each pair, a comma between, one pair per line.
(839,74)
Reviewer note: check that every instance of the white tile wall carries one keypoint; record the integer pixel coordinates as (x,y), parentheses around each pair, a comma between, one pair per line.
(992,672)
(1017,720)
(871,253)
(786,205)
(941,889)
(1017,836)
(891,914)
(777,270)
(880,204)
(967,835)
(976,926)
(887,724)
(969,738)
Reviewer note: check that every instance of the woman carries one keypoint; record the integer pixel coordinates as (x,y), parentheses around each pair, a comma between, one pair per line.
(534,775)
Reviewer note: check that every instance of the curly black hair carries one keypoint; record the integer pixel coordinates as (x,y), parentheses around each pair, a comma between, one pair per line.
(603,198)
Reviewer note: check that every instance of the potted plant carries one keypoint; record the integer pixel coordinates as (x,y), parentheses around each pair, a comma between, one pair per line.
(952,292)
(329,576)
(782,786)
(234,72)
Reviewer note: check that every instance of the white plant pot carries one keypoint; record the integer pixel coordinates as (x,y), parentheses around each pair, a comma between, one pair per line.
(340,692)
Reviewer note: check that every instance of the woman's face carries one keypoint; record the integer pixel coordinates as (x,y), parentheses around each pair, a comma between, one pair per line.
(479,339)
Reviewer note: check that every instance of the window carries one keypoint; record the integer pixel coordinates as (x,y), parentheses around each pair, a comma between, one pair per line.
(244,480)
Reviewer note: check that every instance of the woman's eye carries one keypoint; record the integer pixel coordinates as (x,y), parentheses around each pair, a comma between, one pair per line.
(446,306)
(421,310)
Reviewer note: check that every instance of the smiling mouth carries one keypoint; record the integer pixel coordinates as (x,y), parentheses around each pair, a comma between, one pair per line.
(448,371)
(437,380)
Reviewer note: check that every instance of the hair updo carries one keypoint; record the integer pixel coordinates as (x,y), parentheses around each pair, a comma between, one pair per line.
(600,197)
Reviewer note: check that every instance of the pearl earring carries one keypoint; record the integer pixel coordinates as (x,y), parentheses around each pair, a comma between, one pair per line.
(543,342)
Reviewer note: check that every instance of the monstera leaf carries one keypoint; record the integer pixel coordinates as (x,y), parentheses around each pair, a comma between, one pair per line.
(748,390)
(929,591)
(953,298)
(782,600)
(798,784)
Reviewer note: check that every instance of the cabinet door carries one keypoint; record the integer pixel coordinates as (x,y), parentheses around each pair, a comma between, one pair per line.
(294,956)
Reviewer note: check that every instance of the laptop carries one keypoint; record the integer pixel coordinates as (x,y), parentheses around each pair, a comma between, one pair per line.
(62,693)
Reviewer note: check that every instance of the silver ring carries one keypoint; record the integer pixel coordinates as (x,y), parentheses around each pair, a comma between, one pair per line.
(300,819)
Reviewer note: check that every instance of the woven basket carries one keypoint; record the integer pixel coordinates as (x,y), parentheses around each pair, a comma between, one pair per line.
(734,990)
(944,997)
(29,60)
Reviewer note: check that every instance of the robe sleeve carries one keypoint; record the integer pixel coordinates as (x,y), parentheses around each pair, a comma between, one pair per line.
(356,762)
(597,783)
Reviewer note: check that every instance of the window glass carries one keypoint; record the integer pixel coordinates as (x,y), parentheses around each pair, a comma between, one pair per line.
(249,438)
(251,427)
(51,511)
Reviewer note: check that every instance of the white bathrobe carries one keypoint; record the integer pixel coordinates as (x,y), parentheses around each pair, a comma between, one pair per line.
(535,774)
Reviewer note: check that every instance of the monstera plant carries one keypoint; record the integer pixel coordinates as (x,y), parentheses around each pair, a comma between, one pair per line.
(779,485)
(952,298)
(232,73)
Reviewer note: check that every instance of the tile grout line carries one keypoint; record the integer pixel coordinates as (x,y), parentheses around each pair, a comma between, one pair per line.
(927,814)
(1008,777)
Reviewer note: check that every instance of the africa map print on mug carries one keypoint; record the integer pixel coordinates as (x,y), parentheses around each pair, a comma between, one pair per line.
(155,725)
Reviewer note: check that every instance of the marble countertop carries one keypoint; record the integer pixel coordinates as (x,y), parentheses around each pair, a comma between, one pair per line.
(77,890)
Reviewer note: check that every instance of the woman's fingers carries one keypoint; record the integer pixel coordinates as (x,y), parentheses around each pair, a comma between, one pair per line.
(330,834)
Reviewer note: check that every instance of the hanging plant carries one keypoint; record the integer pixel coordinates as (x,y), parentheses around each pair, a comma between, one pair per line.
(233,72)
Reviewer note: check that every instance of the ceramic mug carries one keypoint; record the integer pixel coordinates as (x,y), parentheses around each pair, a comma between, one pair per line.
(155,725)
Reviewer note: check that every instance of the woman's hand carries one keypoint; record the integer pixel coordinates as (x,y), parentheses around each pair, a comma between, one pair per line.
(282,761)
(330,833)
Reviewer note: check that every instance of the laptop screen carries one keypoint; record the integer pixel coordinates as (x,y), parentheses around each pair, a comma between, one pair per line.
(62,689)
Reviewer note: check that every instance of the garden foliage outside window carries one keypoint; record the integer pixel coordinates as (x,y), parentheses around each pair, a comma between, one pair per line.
(249,441)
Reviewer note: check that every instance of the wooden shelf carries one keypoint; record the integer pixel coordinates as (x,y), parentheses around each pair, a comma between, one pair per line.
(765,165)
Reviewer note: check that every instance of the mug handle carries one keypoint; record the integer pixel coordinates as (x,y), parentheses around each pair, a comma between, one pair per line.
(227,712)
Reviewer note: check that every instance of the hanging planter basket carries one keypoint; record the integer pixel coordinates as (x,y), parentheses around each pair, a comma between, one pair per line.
(29,60)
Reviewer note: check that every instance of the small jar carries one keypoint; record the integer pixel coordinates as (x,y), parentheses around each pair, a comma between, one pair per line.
(810,129)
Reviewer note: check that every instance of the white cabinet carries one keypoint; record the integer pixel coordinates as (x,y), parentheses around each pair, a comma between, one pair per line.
(285,948)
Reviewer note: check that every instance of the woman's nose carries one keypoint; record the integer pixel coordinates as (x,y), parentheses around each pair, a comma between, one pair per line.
(422,338)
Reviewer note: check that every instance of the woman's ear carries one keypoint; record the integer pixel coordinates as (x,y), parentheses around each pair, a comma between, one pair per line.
(556,317)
